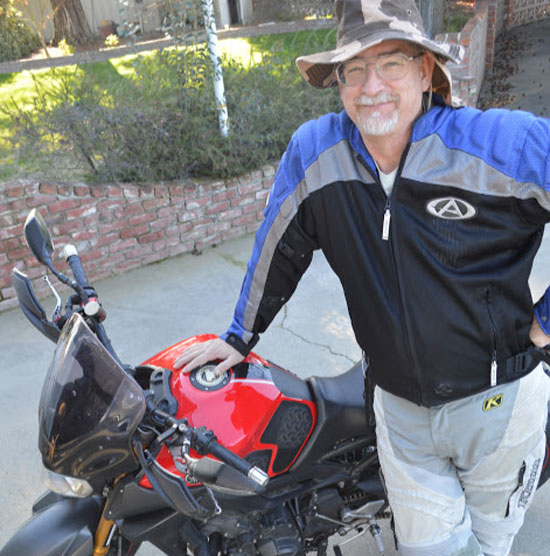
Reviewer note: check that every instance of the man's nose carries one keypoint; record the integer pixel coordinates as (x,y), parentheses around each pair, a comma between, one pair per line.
(373,83)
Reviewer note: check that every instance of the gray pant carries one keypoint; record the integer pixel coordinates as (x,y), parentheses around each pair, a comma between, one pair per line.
(460,476)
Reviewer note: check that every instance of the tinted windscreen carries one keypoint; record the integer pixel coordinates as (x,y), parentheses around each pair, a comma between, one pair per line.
(89,405)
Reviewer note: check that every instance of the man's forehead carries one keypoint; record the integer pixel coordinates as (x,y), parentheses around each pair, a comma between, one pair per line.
(387,47)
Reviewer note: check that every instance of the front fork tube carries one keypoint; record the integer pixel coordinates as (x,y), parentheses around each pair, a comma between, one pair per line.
(103,535)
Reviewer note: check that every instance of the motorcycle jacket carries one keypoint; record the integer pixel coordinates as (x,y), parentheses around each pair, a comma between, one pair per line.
(435,276)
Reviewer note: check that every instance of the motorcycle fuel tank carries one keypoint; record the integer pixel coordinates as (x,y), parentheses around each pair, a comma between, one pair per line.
(258,410)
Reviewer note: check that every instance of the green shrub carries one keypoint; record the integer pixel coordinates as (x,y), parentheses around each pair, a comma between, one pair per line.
(16,39)
(162,124)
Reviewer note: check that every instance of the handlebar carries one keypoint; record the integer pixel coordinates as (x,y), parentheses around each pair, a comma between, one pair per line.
(72,257)
(207,443)
(92,307)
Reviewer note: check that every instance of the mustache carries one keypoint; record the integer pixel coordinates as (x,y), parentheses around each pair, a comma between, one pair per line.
(366,100)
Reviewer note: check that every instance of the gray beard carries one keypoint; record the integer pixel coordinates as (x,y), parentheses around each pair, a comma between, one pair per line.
(377,126)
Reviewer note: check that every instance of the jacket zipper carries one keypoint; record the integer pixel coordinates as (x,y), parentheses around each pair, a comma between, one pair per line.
(387,221)
(493,373)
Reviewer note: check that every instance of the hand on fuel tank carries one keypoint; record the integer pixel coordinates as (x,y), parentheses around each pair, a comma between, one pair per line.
(537,335)
(212,350)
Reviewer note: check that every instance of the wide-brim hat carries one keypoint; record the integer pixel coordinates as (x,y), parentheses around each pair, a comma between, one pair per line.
(366,23)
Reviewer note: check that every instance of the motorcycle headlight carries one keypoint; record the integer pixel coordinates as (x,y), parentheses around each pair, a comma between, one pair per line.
(66,486)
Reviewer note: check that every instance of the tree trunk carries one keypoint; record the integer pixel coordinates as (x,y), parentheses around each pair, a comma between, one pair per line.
(70,22)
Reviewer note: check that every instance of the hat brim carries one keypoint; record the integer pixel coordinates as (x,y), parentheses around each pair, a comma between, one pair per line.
(319,69)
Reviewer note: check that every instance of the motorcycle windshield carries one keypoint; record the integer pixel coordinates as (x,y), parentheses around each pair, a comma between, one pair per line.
(89,409)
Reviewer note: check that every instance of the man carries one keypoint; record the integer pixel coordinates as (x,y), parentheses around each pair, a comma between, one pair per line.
(430,216)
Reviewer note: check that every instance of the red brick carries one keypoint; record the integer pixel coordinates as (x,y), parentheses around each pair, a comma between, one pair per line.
(98,191)
(243,220)
(198,202)
(13,243)
(14,191)
(112,227)
(114,191)
(68,226)
(254,207)
(130,191)
(176,190)
(160,191)
(40,200)
(217,207)
(83,235)
(168,211)
(230,214)
(12,231)
(132,209)
(81,212)
(108,205)
(250,188)
(141,219)
(146,192)
(104,239)
(225,195)
(150,237)
(20,204)
(155,203)
(81,190)
(162,222)
(135,231)
(66,204)
(47,189)
(120,245)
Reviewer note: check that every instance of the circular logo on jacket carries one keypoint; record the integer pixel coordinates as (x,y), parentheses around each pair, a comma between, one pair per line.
(450,208)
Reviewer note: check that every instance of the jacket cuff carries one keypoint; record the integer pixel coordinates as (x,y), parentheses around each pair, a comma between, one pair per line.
(235,342)
(542,312)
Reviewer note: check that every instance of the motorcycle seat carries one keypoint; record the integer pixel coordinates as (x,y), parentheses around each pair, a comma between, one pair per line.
(341,412)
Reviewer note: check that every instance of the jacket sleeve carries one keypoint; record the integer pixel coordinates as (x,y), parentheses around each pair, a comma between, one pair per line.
(536,154)
(282,252)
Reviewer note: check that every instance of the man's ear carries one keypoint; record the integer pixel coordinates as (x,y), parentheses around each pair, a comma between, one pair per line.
(426,70)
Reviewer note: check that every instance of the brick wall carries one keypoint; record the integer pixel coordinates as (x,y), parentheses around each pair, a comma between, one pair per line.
(468,76)
(119,227)
(520,12)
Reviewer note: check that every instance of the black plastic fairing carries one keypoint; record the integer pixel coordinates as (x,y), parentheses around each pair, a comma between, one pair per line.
(65,527)
(31,307)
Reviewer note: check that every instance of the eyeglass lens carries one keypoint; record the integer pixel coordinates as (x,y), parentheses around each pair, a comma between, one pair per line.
(389,68)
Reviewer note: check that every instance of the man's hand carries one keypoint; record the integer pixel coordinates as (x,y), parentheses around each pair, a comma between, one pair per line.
(212,350)
(537,335)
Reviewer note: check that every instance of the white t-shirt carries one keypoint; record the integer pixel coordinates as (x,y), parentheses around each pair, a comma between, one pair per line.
(387,180)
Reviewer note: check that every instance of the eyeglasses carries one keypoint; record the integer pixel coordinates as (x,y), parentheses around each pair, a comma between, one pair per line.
(388,67)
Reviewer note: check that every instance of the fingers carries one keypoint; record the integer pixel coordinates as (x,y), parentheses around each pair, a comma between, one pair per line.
(212,350)
(537,335)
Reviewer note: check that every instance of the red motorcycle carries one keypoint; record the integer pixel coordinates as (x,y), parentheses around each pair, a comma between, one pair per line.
(256,461)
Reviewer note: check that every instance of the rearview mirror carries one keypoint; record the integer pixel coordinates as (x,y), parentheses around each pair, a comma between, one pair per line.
(38,237)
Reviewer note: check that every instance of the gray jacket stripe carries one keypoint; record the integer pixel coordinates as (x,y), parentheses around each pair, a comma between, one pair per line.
(431,161)
(333,165)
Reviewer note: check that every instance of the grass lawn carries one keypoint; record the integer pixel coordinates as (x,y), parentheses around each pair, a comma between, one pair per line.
(116,74)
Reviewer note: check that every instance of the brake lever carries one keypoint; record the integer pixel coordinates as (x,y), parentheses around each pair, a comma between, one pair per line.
(56,315)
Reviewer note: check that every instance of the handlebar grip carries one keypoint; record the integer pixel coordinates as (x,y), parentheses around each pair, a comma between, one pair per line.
(212,446)
(71,255)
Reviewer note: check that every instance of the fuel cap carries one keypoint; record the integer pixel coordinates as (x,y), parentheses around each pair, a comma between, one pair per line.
(206,380)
